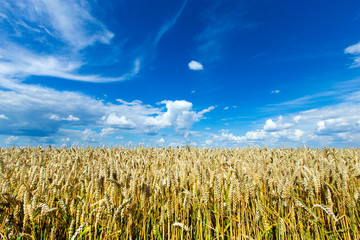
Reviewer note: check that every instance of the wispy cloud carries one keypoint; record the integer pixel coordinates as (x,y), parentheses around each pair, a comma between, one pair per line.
(67,21)
(355,51)
(223,19)
(20,62)
(53,38)
(56,34)
(336,93)
(11,140)
(168,25)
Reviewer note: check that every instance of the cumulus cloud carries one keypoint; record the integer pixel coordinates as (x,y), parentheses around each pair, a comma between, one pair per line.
(334,125)
(161,140)
(178,115)
(270,125)
(194,65)
(226,136)
(39,111)
(119,121)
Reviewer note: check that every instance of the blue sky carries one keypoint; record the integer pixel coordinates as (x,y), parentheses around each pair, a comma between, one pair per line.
(168,73)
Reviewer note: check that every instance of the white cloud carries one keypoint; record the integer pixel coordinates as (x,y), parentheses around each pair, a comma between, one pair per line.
(255,135)
(320,125)
(287,135)
(120,121)
(194,65)
(69,118)
(275,91)
(226,108)
(66,26)
(133,103)
(270,125)
(67,20)
(207,110)
(297,118)
(340,92)
(89,135)
(107,131)
(11,139)
(161,140)
(298,134)
(41,111)
(335,125)
(54,117)
(178,116)
(354,50)
(225,136)
(18,61)
(2,116)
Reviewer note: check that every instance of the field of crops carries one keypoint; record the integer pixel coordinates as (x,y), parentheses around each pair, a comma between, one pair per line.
(183,193)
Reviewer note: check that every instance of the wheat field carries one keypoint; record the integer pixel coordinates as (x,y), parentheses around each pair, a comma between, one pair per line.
(179,193)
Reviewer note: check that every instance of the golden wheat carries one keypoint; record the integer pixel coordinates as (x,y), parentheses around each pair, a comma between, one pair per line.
(182,193)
